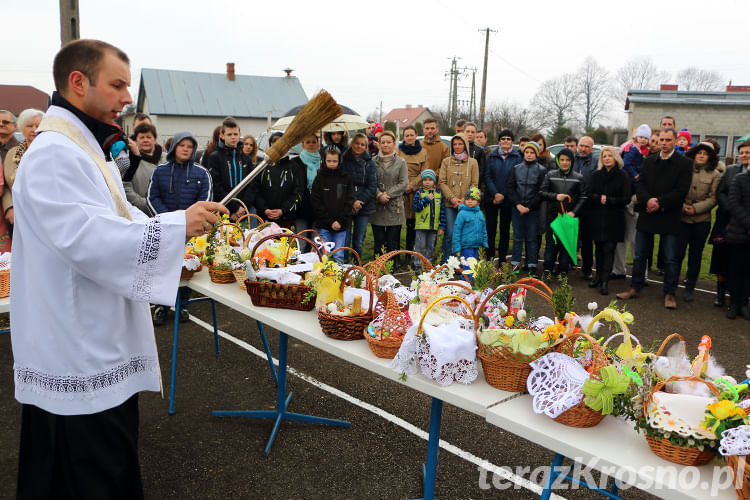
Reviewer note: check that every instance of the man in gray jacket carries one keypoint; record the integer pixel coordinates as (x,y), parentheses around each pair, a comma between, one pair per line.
(144,159)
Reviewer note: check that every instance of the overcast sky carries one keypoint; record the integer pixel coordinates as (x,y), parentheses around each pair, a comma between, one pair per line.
(397,52)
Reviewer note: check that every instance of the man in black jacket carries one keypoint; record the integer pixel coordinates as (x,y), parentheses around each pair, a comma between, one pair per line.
(228,165)
(660,191)
(585,164)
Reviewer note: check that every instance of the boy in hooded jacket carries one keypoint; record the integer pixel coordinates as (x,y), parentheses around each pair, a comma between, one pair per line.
(175,185)
(332,196)
(429,217)
(524,191)
(470,229)
(278,191)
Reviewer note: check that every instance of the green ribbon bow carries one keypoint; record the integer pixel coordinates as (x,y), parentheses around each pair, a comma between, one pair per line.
(600,395)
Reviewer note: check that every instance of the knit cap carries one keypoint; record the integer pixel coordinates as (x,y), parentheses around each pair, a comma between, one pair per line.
(533,145)
(686,134)
(474,193)
(643,131)
(428,172)
(506,133)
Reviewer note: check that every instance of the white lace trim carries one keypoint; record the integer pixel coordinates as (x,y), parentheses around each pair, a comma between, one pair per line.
(442,365)
(70,385)
(148,255)
(555,383)
(679,413)
(735,441)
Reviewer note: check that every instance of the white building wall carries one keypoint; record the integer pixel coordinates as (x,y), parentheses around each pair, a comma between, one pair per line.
(202,127)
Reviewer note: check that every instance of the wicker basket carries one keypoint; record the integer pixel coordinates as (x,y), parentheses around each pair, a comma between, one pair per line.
(377,266)
(663,447)
(581,415)
(220,275)
(386,347)
(740,467)
(267,294)
(5,283)
(348,327)
(504,369)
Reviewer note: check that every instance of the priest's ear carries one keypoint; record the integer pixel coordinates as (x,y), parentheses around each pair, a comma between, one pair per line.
(78,83)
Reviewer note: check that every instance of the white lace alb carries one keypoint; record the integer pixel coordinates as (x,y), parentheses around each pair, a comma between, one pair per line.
(148,256)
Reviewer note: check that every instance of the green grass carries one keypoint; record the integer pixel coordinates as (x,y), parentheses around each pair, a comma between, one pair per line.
(368,254)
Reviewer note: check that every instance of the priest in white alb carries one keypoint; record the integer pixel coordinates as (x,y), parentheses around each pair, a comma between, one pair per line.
(86,264)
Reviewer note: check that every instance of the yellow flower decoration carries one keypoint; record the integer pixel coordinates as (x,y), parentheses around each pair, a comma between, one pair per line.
(509,321)
(200,243)
(725,409)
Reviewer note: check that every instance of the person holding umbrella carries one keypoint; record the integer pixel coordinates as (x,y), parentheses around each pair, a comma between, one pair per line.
(608,194)
(358,163)
(565,193)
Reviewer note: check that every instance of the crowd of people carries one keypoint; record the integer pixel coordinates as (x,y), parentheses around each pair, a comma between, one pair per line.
(656,184)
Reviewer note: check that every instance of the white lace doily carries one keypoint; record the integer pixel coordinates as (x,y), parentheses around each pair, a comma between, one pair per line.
(555,383)
(5,260)
(191,264)
(453,360)
(679,413)
(404,296)
(735,441)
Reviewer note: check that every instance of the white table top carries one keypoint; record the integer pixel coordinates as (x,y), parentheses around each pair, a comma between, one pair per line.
(612,443)
(302,325)
(5,305)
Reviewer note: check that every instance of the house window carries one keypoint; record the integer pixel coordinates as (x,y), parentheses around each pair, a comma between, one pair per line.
(722,140)
(696,138)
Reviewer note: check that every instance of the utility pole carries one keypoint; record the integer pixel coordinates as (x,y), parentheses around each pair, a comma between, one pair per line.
(484,76)
(453,95)
(380,121)
(69,25)
(473,100)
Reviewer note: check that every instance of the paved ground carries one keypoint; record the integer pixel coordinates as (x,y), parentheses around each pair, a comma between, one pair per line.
(194,455)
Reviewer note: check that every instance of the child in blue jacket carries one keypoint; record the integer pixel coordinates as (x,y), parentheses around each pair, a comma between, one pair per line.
(175,185)
(470,229)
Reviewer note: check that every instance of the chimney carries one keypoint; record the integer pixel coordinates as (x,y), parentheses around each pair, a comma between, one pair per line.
(288,72)
(230,72)
(408,106)
(668,86)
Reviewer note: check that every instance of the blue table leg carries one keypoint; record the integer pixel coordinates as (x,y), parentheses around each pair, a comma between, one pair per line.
(429,469)
(5,331)
(554,473)
(269,357)
(282,401)
(175,339)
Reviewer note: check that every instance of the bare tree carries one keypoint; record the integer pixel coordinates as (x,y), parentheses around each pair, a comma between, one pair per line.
(594,88)
(639,73)
(693,78)
(555,101)
(519,119)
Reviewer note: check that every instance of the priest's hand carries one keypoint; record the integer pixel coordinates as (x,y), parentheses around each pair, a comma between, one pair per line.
(199,217)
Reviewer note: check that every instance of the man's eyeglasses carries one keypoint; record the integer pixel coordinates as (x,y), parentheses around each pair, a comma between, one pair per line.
(506,139)
(5,123)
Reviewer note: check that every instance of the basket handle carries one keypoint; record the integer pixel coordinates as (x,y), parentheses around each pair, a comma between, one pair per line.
(376,266)
(283,235)
(691,378)
(232,224)
(614,316)
(348,249)
(249,216)
(241,203)
(368,281)
(598,356)
(668,339)
(459,284)
(535,282)
(512,286)
(437,301)
(316,234)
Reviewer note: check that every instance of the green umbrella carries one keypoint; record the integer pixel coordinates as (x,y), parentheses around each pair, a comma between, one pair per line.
(745,137)
(565,230)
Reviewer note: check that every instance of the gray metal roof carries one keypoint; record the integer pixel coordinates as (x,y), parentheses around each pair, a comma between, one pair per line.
(699,98)
(193,93)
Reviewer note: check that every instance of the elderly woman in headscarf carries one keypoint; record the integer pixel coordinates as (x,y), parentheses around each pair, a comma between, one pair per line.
(28,121)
